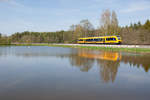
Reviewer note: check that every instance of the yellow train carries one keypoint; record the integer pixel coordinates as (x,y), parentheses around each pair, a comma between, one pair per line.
(100,40)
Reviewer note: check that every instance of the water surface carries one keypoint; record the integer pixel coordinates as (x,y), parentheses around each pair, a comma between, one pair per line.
(54,73)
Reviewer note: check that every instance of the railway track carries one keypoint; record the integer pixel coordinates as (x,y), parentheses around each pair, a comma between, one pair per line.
(104,45)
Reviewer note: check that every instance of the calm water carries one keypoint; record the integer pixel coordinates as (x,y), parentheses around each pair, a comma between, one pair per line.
(53,73)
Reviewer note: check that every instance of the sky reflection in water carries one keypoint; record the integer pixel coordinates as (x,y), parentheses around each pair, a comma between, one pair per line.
(44,73)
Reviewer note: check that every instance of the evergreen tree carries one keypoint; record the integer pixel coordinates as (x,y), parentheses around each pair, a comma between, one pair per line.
(0,35)
(147,25)
(139,24)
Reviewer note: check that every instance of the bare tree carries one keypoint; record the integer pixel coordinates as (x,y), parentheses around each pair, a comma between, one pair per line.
(109,23)
(105,21)
(114,20)
(87,27)
(78,32)
(114,23)
(72,27)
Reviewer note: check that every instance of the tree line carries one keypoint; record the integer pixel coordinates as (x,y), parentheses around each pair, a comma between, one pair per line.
(136,33)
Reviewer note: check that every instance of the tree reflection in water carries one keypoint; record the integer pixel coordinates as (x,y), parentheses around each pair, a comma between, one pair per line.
(138,61)
(84,63)
(108,61)
(108,69)
(85,59)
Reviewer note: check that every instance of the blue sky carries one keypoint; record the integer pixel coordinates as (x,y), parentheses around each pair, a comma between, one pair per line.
(54,15)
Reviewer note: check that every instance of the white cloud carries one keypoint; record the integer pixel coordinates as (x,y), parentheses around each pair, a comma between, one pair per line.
(136,6)
(12,3)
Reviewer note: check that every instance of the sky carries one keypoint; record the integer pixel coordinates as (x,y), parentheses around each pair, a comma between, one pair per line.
(55,15)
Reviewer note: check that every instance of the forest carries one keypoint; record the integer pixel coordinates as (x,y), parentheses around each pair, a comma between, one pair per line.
(135,33)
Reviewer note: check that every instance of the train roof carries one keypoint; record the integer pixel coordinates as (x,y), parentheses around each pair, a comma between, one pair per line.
(100,36)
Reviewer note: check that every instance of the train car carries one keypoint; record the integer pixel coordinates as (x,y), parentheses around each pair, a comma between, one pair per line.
(100,40)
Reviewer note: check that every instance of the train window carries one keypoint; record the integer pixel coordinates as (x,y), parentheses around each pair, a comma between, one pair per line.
(96,39)
(114,39)
(107,39)
(103,39)
(111,39)
(100,39)
(89,39)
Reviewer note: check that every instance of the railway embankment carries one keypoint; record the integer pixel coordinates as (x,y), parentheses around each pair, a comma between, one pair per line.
(106,45)
(126,48)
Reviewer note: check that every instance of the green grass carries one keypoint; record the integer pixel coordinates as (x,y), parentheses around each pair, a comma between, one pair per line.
(147,50)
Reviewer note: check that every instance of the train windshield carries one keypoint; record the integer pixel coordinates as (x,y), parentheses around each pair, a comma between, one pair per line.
(118,37)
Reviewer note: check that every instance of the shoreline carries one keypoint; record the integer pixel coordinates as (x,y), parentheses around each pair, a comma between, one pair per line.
(106,48)
(125,48)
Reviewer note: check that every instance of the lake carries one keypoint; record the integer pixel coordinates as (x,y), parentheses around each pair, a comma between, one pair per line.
(55,73)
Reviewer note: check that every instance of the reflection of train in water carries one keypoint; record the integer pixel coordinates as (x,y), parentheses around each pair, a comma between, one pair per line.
(112,56)
(100,40)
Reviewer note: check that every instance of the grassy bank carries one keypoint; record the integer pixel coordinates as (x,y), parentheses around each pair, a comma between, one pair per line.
(147,50)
